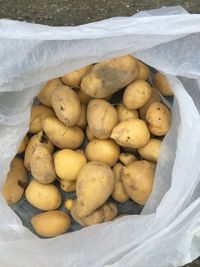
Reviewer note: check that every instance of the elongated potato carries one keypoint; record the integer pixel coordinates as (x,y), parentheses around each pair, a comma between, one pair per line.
(127,158)
(51,223)
(109,76)
(162,84)
(61,135)
(124,113)
(131,133)
(23,145)
(66,105)
(84,99)
(101,117)
(16,181)
(89,134)
(151,150)
(82,121)
(143,72)
(68,186)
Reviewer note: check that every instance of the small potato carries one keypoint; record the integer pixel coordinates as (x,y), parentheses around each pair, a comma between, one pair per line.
(89,134)
(74,78)
(106,151)
(23,145)
(43,196)
(101,117)
(143,72)
(42,166)
(162,84)
(158,119)
(110,211)
(109,76)
(151,150)
(136,94)
(68,186)
(66,105)
(82,122)
(125,113)
(119,194)
(45,94)
(131,133)
(61,135)
(68,164)
(69,204)
(16,181)
(127,158)
(138,180)
(93,187)
(51,223)
(84,99)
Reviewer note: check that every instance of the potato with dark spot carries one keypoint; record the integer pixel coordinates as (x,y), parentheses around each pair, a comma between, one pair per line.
(23,145)
(151,150)
(124,113)
(143,72)
(162,84)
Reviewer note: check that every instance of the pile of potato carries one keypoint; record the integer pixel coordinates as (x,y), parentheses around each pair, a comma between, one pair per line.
(106,153)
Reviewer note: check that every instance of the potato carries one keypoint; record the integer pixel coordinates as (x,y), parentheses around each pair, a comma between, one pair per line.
(131,133)
(143,72)
(74,78)
(68,164)
(127,158)
(106,151)
(39,139)
(68,186)
(82,122)
(93,187)
(89,134)
(158,119)
(138,180)
(61,135)
(42,166)
(119,194)
(43,196)
(110,211)
(101,117)
(66,105)
(155,97)
(45,94)
(136,94)
(109,76)
(69,204)
(162,84)
(16,181)
(151,150)
(51,223)
(23,145)
(125,113)
(84,99)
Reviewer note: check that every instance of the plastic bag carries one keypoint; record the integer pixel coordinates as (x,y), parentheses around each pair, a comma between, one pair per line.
(167,233)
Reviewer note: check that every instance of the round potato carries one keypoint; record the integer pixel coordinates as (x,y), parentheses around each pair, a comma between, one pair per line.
(143,72)
(51,223)
(136,94)
(131,133)
(151,150)
(82,122)
(66,105)
(68,164)
(124,113)
(138,180)
(23,145)
(89,134)
(127,158)
(84,99)
(16,181)
(162,84)
(68,186)
(158,118)
(101,117)
(45,94)
(43,196)
(61,135)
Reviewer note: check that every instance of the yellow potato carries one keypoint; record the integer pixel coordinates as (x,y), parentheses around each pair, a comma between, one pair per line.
(74,78)
(89,134)
(106,151)
(138,180)
(23,145)
(68,186)
(38,114)
(125,113)
(158,119)
(43,196)
(51,223)
(131,133)
(109,76)
(39,139)
(127,158)
(143,72)
(151,150)
(93,187)
(69,204)
(61,135)
(136,94)
(42,166)
(101,117)
(45,94)
(82,122)
(162,84)
(84,99)
(66,105)
(68,164)
(119,194)
(16,181)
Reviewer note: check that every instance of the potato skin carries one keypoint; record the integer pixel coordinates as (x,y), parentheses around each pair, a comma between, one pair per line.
(43,196)
(82,121)
(143,72)
(109,76)
(61,135)
(89,134)
(162,84)
(106,151)
(127,158)
(68,186)
(124,113)
(151,150)
(84,99)
(93,187)
(16,181)
(131,133)
(23,144)
(101,118)
(66,105)
(51,223)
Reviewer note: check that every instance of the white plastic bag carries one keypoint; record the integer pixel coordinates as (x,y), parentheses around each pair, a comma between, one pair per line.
(167,233)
